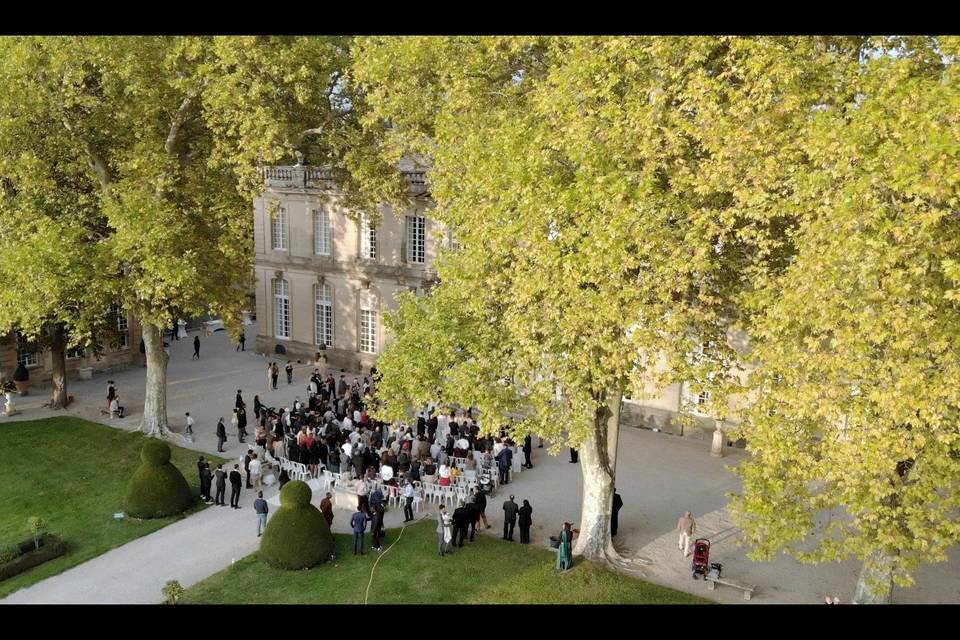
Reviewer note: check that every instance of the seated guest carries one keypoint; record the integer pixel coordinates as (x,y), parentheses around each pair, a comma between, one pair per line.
(471,463)
(428,472)
(444,475)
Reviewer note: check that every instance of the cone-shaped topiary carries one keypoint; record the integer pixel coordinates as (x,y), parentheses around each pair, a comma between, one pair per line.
(297,536)
(157,489)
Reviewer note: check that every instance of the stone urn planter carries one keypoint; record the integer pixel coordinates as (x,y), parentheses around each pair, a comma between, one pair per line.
(86,373)
(21,378)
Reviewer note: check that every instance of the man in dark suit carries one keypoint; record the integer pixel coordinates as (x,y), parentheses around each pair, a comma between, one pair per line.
(221,435)
(461,520)
(206,478)
(358,522)
(204,470)
(236,482)
(574,455)
(246,467)
(510,510)
(196,347)
(527,451)
(221,478)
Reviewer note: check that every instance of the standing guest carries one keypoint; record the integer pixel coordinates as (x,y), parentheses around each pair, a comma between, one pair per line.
(358,522)
(257,407)
(261,508)
(474,514)
(221,478)
(326,508)
(461,520)
(504,462)
(565,550)
(528,451)
(206,481)
(274,374)
(510,510)
(246,466)
(614,519)
(239,403)
(111,393)
(408,491)
(221,435)
(525,520)
(241,341)
(444,532)
(242,422)
(196,347)
(260,436)
(204,469)
(574,455)
(234,421)
(255,472)
(686,526)
(190,423)
(235,484)
(482,508)
(269,376)
(363,502)
(289,370)
(377,526)
(341,386)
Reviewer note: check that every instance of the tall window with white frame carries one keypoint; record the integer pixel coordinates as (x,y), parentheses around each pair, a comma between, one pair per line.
(123,327)
(321,232)
(27,353)
(278,229)
(323,312)
(416,239)
(368,239)
(281,308)
(368,330)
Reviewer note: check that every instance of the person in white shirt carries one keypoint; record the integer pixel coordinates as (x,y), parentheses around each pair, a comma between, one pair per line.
(255,472)
(354,437)
(497,448)
(347,423)
(347,449)
(444,475)
(386,473)
(115,408)
(435,449)
(190,423)
(356,416)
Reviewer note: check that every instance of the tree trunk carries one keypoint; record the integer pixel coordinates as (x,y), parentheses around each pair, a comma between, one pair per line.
(598,463)
(875,585)
(58,351)
(154,422)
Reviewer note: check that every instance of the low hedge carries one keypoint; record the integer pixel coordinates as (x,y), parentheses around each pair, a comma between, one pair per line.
(29,556)
(297,536)
(157,488)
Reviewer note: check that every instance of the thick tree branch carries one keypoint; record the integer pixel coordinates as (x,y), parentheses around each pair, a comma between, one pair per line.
(178,119)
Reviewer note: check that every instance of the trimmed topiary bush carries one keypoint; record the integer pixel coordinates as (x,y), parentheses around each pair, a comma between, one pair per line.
(157,489)
(297,537)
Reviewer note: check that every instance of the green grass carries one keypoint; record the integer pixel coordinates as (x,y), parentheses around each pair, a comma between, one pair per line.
(74,474)
(487,571)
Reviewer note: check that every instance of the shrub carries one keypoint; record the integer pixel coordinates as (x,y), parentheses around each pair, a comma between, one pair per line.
(53,547)
(172,592)
(297,536)
(157,488)
(9,553)
(21,374)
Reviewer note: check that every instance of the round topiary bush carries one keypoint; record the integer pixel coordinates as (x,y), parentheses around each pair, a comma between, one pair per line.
(157,489)
(297,536)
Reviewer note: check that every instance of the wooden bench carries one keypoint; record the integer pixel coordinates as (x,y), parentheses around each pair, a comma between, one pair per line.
(747,589)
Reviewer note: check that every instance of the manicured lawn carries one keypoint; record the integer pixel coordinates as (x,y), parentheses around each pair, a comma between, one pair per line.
(73,474)
(487,571)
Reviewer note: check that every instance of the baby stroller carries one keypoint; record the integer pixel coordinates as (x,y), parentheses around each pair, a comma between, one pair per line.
(701,557)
